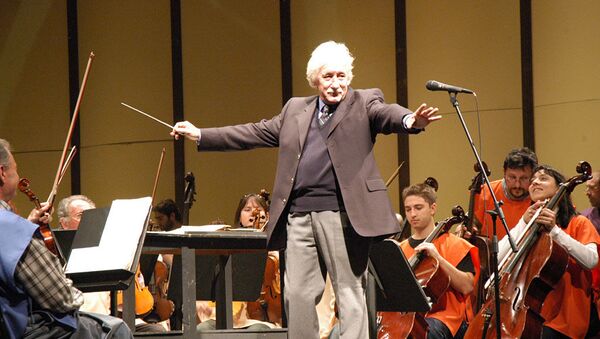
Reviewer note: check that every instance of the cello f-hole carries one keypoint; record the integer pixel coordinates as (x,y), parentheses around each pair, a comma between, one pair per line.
(516,301)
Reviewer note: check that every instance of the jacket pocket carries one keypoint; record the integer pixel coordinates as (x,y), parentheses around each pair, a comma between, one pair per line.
(376,185)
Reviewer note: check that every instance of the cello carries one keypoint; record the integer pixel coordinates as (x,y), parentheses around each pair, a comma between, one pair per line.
(433,280)
(482,243)
(526,277)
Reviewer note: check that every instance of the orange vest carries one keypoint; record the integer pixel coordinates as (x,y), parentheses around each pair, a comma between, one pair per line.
(451,308)
(567,307)
(513,210)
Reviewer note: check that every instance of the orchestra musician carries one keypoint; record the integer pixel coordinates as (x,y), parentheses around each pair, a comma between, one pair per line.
(167,215)
(511,190)
(36,298)
(329,199)
(592,191)
(70,210)
(566,309)
(252,212)
(448,316)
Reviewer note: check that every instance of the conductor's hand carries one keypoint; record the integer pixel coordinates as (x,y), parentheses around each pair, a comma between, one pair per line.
(423,116)
(186,129)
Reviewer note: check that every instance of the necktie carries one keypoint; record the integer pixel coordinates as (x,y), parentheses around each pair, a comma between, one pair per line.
(324,115)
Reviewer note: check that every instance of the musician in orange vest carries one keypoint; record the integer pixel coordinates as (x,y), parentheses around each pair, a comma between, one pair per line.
(447,318)
(511,190)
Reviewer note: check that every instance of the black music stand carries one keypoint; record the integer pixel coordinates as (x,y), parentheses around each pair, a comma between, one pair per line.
(397,288)
(64,239)
(247,273)
(248,270)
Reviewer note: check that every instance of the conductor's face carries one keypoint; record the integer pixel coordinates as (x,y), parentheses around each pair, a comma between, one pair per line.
(332,83)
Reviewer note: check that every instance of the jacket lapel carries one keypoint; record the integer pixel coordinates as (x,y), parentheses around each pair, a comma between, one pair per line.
(342,110)
(304,119)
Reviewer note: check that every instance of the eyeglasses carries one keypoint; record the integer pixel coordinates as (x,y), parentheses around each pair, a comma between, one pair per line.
(522,180)
(77,216)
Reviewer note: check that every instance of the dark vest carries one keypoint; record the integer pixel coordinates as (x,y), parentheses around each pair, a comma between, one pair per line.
(315,186)
(16,234)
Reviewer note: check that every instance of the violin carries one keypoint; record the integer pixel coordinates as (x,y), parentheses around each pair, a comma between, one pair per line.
(526,277)
(45,229)
(259,219)
(481,242)
(268,305)
(144,301)
(163,308)
(433,280)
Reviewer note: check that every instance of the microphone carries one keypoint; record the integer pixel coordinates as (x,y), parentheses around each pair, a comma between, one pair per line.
(433,85)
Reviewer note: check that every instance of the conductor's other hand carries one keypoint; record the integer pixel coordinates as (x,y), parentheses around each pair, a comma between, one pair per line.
(423,116)
(186,129)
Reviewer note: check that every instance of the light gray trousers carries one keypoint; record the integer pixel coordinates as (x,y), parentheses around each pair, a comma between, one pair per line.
(317,243)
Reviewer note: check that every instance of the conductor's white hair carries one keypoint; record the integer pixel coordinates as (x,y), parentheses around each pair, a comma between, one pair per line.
(329,52)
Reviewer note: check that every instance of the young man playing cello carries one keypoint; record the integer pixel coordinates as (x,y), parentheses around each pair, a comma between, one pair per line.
(447,318)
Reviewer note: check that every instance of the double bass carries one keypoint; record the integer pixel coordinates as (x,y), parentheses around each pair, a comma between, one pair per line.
(433,280)
(526,277)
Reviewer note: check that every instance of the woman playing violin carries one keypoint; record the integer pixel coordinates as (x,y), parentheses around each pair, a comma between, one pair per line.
(252,212)
(566,309)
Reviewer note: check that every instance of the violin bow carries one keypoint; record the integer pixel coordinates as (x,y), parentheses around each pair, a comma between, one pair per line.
(162,157)
(394,175)
(63,159)
(67,163)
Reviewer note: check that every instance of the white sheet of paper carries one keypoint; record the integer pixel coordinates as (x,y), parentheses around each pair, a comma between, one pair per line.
(203,228)
(120,238)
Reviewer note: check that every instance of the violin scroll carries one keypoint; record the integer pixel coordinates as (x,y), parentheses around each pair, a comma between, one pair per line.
(44,228)
(24,188)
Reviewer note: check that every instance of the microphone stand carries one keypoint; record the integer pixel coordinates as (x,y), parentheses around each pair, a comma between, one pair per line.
(496,212)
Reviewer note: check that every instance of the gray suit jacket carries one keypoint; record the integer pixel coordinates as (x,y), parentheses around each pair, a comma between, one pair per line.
(354,126)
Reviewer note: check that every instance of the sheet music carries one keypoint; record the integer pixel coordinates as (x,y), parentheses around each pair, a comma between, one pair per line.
(204,228)
(120,239)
